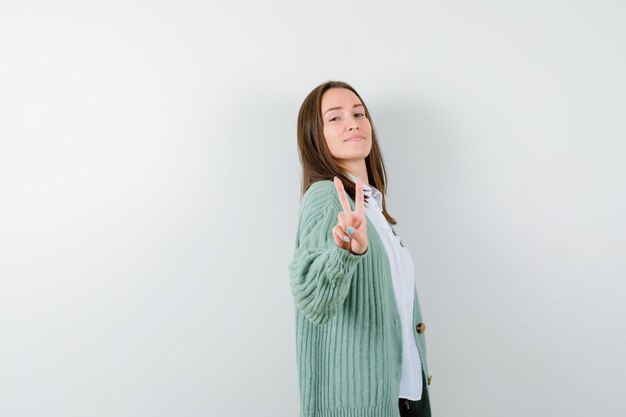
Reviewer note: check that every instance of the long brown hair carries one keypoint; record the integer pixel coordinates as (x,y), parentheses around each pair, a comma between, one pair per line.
(317,161)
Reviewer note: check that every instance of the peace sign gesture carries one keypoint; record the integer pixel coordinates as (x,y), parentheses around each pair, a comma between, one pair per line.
(350,233)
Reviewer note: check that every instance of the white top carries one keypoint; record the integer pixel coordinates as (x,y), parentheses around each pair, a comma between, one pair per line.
(402,272)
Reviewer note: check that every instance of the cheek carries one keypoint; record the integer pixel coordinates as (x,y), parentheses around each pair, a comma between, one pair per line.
(330,134)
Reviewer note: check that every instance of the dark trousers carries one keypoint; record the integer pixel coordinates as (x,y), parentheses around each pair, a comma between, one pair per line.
(420,408)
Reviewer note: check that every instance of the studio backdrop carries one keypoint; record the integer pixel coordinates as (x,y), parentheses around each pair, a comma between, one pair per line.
(150,185)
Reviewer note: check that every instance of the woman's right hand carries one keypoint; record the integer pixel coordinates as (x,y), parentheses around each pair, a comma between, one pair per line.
(351,221)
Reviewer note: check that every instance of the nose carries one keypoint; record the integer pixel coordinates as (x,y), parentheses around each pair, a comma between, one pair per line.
(352,124)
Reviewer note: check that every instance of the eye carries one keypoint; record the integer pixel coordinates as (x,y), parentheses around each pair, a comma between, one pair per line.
(359,115)
(332,119)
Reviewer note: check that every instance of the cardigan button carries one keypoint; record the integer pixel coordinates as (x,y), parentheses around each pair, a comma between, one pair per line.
(421,328)
(430,378)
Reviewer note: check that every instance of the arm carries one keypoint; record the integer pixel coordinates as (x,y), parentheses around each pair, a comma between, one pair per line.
(320,271)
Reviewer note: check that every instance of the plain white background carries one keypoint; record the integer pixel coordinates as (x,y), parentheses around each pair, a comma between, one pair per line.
(149,186)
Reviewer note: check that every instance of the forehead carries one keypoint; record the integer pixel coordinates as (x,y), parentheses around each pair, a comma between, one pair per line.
(339,97)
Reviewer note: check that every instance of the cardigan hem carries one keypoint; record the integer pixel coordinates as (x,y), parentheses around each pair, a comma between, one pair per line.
(389,411)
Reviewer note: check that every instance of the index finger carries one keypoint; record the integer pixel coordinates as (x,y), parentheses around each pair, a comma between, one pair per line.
(343,197)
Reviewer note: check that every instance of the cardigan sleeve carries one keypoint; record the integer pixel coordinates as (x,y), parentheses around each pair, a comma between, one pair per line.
(320,271)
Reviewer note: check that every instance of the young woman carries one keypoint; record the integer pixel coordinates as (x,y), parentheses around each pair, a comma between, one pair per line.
(359,330)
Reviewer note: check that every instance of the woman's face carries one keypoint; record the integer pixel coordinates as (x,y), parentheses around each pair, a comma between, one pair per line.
(347,131)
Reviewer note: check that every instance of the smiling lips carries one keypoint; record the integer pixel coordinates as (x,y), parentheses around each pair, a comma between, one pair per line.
(354,139)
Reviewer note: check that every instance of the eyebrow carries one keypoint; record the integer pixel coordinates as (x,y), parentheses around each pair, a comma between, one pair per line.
(337,108)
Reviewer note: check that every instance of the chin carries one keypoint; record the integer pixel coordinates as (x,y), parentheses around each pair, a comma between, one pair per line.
(356,156)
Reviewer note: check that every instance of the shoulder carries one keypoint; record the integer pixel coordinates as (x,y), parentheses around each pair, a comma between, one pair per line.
(320,189)
(319,197)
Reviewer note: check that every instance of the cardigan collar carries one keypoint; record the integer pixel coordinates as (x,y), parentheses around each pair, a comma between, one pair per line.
(369,191)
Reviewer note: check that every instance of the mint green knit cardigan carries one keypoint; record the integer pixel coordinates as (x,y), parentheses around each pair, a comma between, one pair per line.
(348,336)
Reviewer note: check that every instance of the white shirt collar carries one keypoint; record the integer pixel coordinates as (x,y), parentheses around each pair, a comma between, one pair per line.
(369,191)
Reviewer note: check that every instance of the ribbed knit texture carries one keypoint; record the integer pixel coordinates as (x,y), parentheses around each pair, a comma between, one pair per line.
(348,336)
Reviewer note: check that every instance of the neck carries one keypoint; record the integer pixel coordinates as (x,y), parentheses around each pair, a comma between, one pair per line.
(358,169)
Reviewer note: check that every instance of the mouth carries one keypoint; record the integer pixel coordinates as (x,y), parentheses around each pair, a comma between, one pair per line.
(354,139)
